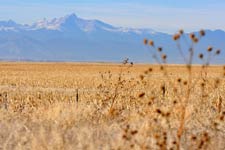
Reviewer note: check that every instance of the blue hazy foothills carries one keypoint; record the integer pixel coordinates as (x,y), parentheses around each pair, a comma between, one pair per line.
(106,30)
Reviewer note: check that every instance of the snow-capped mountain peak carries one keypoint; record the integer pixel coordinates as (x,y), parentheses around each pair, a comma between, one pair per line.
(71,38)
(72,22)
(63,23)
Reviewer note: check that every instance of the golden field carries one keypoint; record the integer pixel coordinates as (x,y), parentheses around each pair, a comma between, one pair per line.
(103,106)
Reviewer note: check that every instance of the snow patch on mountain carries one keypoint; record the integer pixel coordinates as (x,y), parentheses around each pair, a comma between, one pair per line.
(84,25)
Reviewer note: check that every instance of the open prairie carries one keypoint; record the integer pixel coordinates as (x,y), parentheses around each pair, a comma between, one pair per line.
(111,106)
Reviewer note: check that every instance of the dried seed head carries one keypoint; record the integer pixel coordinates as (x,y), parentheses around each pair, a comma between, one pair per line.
(164,134)
(209,49)
(134,132)
(141,77)
(193,138)
(223,113)
(176,37)
(159,49)
(201,56)
(201,144)
(202,84)
(164,56)
(217,52)
(160,145)
(163,88)
(205,134)
(167,114)
(202,32)
(221,118)
(217,81)
(150,69)
(158,111)
(145,41)
(215,124)
(156,136)
(124,136)
(185,82)
(141,95)
(124,62)
(195,40)
(151,43)
(207,139)
(192,36)
(181,31)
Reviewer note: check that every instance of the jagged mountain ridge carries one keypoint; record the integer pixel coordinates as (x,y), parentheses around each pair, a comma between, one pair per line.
(71,38)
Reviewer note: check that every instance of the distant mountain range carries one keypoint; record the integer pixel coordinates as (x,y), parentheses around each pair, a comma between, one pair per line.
(71,38)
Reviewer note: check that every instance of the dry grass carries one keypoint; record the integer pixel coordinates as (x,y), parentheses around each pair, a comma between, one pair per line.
(119,107)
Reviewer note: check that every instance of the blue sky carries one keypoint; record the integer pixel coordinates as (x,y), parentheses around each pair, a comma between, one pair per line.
(162,15)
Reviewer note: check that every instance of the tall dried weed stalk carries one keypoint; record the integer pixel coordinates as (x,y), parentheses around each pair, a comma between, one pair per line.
(189,83)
